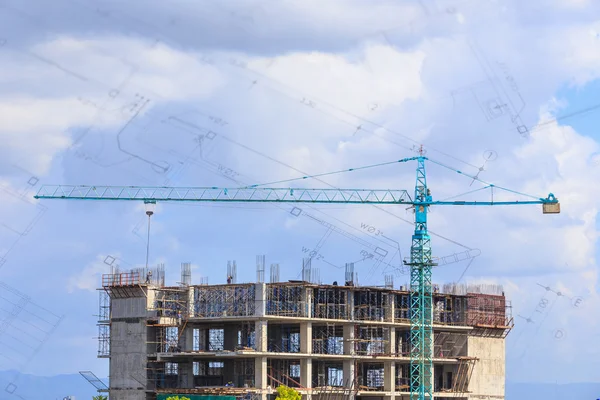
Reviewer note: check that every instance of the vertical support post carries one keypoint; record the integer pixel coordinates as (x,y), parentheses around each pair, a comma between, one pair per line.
(389,379)
(306,376)
(260,376)
(186,378)
(260,299)
(349,339)
(349,372)
(421,313)
(390,308)
(306,337)
(260,328)
(390,346)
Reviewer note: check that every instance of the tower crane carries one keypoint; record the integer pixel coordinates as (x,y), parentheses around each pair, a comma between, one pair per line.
(421,263)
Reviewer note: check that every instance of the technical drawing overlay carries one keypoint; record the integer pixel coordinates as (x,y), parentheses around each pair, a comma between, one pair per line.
(20,213)
(24,329)
(378,252)
(531,324)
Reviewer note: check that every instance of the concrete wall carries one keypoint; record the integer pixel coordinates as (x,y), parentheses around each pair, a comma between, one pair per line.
(128,339)
(488,379)
(133,307)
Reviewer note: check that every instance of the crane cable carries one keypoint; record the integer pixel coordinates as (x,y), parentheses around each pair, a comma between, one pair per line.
(488,185)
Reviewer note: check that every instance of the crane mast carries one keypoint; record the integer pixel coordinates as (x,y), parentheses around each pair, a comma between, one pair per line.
(421,330)
(421,313)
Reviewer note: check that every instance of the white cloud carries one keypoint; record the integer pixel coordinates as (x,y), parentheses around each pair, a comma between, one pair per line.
(70,81)
(90,277)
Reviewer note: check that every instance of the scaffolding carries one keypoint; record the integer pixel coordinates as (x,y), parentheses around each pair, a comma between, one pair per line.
(371,305)
(402,307)
(371,340)
(328,339)
(486,310)
(402,377)
(450,309)
(171,302)
(371,377)
(224,301)
(464,371)
(103,324)
(243,370)
(283,372)
(330,302)
(283,338)
(287,300)
(328,374)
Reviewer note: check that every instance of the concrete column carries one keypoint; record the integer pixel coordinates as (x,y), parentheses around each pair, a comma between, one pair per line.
(390,346)
(260,299)
(308,300)
(260,328)
(306,374)
(186,375)
(230,337)
(306,337)
(389,378)
(349,339)
(349,374)
(389,311)
(228,371)
(260,375)
(188,339)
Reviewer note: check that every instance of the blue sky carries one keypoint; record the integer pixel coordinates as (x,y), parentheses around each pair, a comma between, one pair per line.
(255,92)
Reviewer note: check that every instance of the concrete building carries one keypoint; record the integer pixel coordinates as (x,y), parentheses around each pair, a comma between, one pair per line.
(325,340)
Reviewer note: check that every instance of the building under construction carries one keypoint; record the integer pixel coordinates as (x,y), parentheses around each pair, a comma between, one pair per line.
(327,341)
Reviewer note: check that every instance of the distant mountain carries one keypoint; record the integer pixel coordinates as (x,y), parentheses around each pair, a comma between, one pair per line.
(15,386)
(549,391)
(31,387)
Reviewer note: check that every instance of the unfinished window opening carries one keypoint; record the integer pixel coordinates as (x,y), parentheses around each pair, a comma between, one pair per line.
(171,368)
(281,371)
(284,338)
(286,300)
(330,303)
(328,339)
(172,339)
(327,374)
(403,343)
(370,340)
(224,300)
(402,307)
(295,371)
(215,368)
(335,376)
(402,377)
(247,336)
(449,345)
(196,340)
(370,305)
(196,368)
(374,376)
(216,339)
(449,382)
(243,371)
